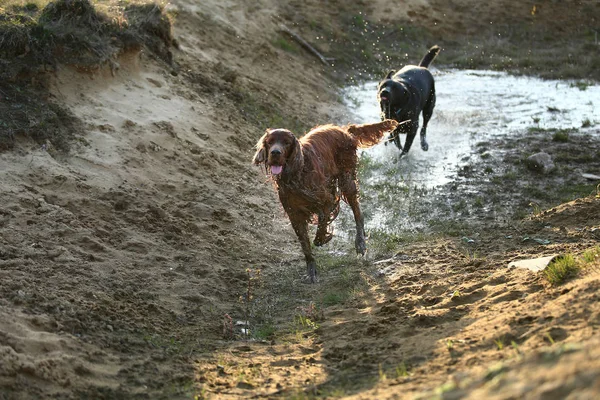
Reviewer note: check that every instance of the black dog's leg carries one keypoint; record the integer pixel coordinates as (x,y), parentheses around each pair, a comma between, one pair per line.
(350,190)
(410,136)
(395,136)
(300,225)
(427,113)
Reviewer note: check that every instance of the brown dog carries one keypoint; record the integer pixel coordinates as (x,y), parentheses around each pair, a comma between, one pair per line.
(312,173)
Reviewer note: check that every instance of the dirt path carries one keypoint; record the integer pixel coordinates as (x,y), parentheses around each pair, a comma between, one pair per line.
(153,261)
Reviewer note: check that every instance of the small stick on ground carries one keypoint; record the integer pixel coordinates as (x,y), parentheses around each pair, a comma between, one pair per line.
(305,44)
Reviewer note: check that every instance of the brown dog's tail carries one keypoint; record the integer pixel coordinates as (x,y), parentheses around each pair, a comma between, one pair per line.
(431,54)
(368,135)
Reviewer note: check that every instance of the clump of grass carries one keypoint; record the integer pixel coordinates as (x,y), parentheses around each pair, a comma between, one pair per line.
(586,123)
(284,44)
(401,370)
(499,343)
(76,32)
(515,346)
(333,298)
(592,255)
(560,136)
(581,85)
(265,331)
(38,35)
(561,269)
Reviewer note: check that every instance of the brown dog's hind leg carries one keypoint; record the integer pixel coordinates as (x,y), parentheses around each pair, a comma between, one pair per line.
(300,225)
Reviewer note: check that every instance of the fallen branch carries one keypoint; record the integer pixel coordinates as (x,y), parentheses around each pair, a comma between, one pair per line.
(305,44)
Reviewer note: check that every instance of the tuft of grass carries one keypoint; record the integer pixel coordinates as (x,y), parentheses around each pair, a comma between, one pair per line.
(38,35)
(592,255)
(561,136)
(581,85)
(333,298)
(515,346)
(401,370)
(382,374)
(284,44)
(499,343)
(265,332)
(561,269)
(262,111)
(383,243)
(76,32)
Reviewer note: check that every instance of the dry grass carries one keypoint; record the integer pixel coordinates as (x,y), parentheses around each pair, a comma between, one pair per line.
(38,35)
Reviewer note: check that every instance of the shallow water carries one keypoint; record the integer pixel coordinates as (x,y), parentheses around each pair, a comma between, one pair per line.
(472,106)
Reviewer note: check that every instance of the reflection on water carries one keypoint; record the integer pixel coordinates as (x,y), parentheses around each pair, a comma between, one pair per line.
(471,106)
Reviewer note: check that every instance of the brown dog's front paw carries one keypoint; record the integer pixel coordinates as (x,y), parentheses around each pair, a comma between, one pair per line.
(311,273)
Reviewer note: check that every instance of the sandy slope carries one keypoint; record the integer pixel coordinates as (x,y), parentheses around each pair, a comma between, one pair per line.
(119,261)
(138,240)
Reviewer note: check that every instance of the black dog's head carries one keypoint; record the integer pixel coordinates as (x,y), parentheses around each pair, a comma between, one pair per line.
(392,96)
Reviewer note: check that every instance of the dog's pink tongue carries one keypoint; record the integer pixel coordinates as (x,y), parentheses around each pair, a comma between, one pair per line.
(276,169)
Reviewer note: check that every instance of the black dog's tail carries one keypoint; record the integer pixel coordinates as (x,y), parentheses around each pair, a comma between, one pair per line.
(433,52)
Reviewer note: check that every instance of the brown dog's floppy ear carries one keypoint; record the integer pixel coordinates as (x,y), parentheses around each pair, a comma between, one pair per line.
(261,150)
(295,161)
(390,74)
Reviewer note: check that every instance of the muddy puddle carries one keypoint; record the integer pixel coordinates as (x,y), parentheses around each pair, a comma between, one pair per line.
(473,107)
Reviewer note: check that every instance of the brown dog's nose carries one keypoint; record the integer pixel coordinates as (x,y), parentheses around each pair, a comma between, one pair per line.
(275,152)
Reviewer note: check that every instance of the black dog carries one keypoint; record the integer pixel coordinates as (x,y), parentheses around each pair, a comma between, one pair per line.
(403,95)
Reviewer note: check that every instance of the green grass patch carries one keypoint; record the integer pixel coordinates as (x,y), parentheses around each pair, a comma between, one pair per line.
(581,85)
(562,269)
(262,111)
(265,331)
(572,192)
(382,243)
(454,228)
(333,298)
(535,129)
(560,136)
(284,44)
(592,256)
(569,265)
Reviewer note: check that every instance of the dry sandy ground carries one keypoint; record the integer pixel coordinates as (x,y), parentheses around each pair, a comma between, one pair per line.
(121,262)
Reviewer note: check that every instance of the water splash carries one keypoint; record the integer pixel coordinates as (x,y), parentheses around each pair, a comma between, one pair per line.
(472,106)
